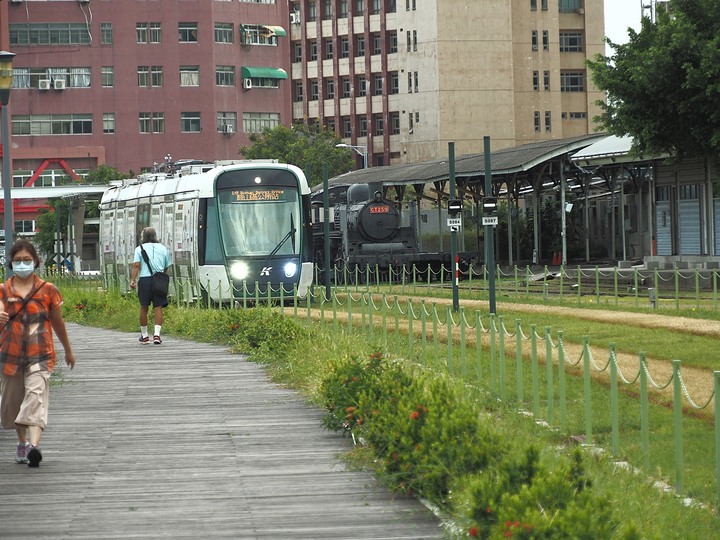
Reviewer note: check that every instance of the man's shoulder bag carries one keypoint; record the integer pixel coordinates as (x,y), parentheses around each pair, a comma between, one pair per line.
(160,280)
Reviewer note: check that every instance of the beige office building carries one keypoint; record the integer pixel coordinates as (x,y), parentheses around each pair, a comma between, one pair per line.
(402,78)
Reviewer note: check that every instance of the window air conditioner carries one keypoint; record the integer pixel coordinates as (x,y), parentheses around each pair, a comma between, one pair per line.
(59,84)
(295,18)
(44,84)
(247,84)
(228,128)
(15,1)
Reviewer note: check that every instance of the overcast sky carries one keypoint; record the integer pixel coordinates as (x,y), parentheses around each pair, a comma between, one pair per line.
(619,14)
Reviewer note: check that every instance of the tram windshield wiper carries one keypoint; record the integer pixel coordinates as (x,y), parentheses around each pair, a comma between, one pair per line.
(290,235)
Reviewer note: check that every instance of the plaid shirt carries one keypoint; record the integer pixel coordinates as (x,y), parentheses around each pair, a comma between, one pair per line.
(27,339)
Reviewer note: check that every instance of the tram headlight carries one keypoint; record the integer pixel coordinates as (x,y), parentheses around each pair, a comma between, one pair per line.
(239,270)
(290,269)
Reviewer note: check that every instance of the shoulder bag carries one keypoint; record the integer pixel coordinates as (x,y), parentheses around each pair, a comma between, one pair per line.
(160,280)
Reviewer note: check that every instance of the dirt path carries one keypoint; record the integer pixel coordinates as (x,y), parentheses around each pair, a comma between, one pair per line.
(698,382)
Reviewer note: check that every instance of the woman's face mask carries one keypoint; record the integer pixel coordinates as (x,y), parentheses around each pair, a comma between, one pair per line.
(22,268)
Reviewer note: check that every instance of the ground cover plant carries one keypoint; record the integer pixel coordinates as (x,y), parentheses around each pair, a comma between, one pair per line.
(443,439)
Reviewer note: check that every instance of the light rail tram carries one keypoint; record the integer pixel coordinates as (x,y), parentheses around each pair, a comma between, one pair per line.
(234,231)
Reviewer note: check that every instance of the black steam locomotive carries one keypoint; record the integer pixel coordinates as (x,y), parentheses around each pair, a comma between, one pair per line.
(367,230)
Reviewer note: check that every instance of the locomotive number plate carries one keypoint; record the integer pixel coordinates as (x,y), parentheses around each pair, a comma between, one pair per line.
(380,209)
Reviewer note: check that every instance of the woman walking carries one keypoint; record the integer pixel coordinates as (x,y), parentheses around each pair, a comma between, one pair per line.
(30,310)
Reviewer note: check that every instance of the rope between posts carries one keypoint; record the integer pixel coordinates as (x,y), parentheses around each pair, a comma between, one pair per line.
(595,364)
(687,394)
(653,383)
(613,357)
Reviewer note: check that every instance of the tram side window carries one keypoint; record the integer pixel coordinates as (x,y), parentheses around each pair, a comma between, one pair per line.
(213,253)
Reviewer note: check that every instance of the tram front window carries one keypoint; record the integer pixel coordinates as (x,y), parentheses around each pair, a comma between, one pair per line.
(258,222)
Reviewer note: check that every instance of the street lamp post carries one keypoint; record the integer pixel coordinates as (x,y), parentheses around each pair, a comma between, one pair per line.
(6,77)
(361,150)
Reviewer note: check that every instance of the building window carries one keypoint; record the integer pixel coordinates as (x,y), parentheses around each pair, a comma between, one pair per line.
(377,43)
(143,75)
(544,5)
(378,85)
(224,33)
(108,76)
(346,127)
(361,86)
(152,122)
(570,5)
(578,115)
(346,87)
(330,124)
(391,6)
(414,40)
(534,40)
(189,75)
(546,80)
(360,46)
(536,81)
(187,32)
(411,123)
(257,34)
(190,122)
(359,7)
(109,123)
(548,121)
(297,51)
(344,47)
(312,11)
(314,90)
(49,34)
(571,42)
(410,82)
(257,122)
(328,49)
(106,33)
(298,91)
(546,40)
(362,126)
(537,121)
(52,124)
(343,9)
(395,123)
(312,54)
(226,122)
(394,82)
(155,32)
(225,76)
(572,81)
(329,88)
(378,124)
(417,82)
(156,76)
(392,42)
(533,5)
(408,35)
(141,32)
(327,9)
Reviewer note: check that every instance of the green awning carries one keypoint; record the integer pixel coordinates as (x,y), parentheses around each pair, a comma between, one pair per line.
(263,73)
(274,30)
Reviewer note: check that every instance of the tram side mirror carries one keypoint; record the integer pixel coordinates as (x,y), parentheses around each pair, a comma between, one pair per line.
(454,207)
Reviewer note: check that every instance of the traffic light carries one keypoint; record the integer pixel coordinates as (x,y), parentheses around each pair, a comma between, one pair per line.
(489,206)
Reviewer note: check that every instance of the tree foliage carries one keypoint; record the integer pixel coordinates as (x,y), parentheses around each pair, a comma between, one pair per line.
(663,85)
(309,147)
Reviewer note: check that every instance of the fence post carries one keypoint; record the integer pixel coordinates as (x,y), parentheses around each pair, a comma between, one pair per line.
(349,312)
(501,356)
(579,284)
(423,327)
(519,360)
(587,390)
(448,324)
(645,414)
(597,284)
(615,276)
(397,326)
(677,425)
(384,320)
(561,383)
(371,309)
(549,375)
(614,410)
(493,329)
(436,338)
(535,376)
(463,356)
(677,289)
(716,385)
(478,347)
(410,328)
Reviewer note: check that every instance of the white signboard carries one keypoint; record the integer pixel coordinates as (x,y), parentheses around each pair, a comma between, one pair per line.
(492,220)
(454,222)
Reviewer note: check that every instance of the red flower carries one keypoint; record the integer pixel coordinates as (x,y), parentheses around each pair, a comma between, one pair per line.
(473,532)
(414,415)
(508,534)
(488,510)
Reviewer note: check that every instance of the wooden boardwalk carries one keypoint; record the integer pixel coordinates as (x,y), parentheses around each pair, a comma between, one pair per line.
(186,440)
